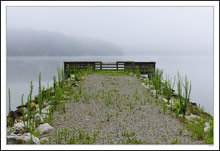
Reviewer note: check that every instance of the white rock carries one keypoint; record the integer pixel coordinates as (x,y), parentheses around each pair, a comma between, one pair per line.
(143,84)
(140,78)
(159,97)
(46,103)
(165,100)
(44,116)
(207,124)
(44,140)
(37,111)
(144,75)
(180,115)
(72,75)
(26,138)
(172,101)
(195,116)
(188,117)
(150,86)
(153,91)
(66,97)
(44,128)
(38,117)
(44,110)
(192,116)
(206,127)
(25,110)
(18,127)
(206,130)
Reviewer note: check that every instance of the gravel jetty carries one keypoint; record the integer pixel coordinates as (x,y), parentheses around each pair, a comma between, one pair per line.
(117,110)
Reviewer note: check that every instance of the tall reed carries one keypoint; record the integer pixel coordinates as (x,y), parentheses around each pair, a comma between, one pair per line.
(59,74)
(157,80)
(40,96)
(183,96)
(9,97)
(168,88)
(22,108)
(31,90)
(39,82)
(54,81)
(28,111)
(187,90)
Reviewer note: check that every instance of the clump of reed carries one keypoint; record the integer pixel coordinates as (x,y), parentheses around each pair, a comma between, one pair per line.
(157,81)
(168,88)
(184,90)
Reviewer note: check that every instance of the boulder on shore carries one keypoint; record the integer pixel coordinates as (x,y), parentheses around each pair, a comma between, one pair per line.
(45,128)
(18,127)
(44,140)
(19,139)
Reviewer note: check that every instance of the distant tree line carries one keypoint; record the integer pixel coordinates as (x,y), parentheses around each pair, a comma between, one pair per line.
(45,43)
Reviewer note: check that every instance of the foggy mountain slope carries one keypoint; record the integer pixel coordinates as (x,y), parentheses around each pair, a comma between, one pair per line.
(45,43)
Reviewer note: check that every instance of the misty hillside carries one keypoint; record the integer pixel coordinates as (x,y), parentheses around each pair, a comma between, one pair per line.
(44,43)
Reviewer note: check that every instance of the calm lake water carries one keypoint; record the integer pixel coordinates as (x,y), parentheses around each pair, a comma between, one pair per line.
(199,69)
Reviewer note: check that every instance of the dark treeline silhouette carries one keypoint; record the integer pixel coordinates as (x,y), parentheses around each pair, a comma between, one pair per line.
(45,43)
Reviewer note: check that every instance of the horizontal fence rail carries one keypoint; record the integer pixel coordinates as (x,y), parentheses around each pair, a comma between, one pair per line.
(130,66)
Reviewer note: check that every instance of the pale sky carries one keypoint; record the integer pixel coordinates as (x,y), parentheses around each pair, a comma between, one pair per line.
(135,29)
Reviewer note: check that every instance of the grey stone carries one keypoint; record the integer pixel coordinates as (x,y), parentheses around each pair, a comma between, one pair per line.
(44,116)
(192,116)
(143,76)
(44,140)
(25,110)
(72,76)
(39,117)
(206,129)
(18,127)
(76,85)
(153,91)
(26,138)
(159,97)
(143,84)
(181,115)
(207,124)
(165,100)
(46,103)
(44,110)
(150,86)
(37,111)
(44,128)
(66,97)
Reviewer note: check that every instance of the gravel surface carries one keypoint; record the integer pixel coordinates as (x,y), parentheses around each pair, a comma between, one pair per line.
(118,110)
